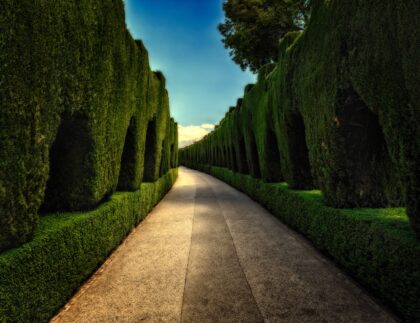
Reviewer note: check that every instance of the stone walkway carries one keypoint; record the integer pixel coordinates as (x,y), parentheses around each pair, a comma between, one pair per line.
(208,253)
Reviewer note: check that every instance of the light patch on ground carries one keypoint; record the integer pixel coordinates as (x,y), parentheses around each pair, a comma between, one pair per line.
(189,134)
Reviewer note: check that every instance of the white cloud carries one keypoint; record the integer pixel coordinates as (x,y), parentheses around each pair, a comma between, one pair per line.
(207,126)
(190,134)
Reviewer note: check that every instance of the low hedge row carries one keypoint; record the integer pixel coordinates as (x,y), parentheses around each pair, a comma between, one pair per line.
(376,246)
(38,278)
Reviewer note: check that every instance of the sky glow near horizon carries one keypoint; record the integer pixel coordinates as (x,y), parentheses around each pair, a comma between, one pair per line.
(184,43)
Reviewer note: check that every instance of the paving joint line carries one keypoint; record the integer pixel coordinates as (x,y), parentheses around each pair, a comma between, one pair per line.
(189,254)
(234,247)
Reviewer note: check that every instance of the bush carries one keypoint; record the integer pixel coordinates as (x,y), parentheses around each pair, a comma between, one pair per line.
(77,94)
(37,278)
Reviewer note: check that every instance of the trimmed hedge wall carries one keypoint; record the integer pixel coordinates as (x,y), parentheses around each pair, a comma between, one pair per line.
(377,247)
(79,109)
(340,110)
(38,278)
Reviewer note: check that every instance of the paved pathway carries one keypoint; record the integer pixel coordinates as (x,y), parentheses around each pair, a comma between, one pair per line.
(208,253)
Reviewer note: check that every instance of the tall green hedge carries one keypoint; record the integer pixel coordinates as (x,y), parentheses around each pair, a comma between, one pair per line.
(288,121)
(77,96)
(346,74)
(339,111)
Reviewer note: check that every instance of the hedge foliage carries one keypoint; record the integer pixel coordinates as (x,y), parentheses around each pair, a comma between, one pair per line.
(340,110)
(79,109)
(377,246)
(38,278)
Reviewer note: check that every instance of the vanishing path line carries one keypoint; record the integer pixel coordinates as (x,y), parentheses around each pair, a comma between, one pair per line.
(208,253)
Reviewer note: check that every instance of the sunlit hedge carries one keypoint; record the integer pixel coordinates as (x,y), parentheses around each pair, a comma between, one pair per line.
(79,110)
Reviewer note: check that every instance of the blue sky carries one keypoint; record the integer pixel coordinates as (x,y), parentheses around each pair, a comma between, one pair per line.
(184,43)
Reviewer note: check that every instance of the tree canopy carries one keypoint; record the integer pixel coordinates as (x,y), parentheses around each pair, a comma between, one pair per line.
(252,28)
